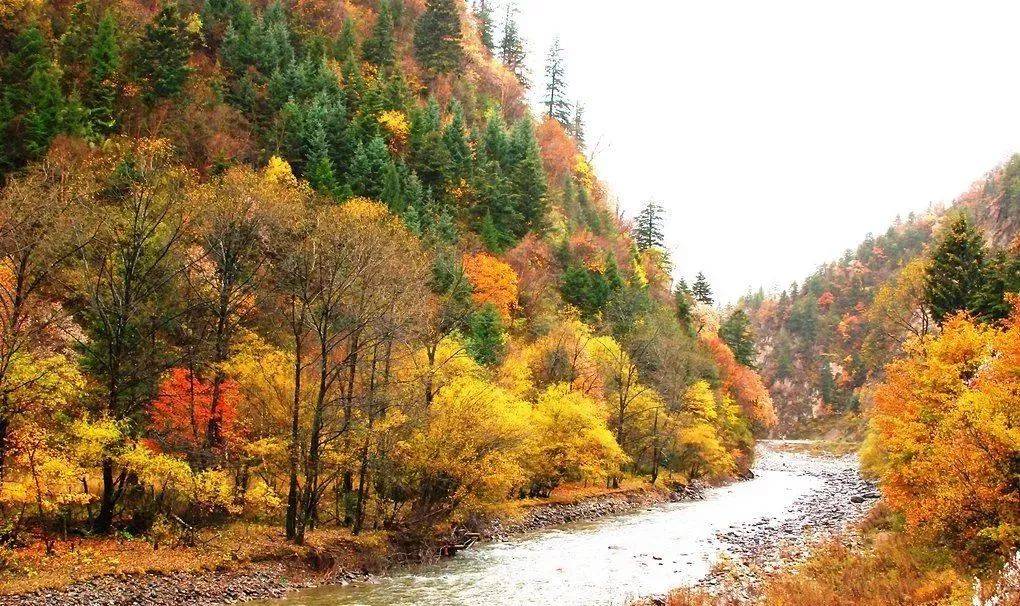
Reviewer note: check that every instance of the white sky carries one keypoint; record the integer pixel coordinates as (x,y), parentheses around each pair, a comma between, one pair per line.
(777,134)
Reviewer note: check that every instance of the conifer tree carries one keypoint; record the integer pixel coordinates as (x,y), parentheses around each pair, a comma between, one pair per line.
(33,108)
(343,48)
(555,100)
(486,342)
(1002,276)
(437,37)
(391,193)
(368,170)
(528,179)
(701,290)
(684,303)
(648,226)
(162,61)
(511,47)
(577,126)
(101,88)
(736,332)
(379,49)
(456,143)
(956,275)
(483,15)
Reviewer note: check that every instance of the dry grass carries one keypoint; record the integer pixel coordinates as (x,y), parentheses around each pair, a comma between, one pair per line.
(893,571)
(830,448)
(223,548)
(696,597)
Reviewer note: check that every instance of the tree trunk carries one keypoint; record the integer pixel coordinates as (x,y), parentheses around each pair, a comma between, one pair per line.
(5,425)
(295,449)
(104,521)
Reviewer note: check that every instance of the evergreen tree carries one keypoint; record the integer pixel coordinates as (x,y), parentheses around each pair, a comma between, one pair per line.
(162,60)
(368,170)
(75,44)
(379,49)
(577,126)
(555,101)
(648,227)
(391,193)
(101,88)
(702,291)
(528,179)
(437,37)
(346,42)
(591,291)
(511,48)
(483,15)
(827,384)
(486,341)
(736,332)
(683,303)
(456,144)
(1002,276)
(956,273)
(427,155)
(33,108)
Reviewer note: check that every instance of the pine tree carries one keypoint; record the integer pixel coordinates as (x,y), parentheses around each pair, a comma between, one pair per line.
(556,104)
(1002,276)
(379,49)
(483,15)
(101,88)
(391,193)
(736,332)
(528,179)
(511,48)
(486,341)
(162,61)
(577,126)
(648,228)
(33,108)
(684,303)
(701,290)
(427,155)
(437,37)
(456,143)
(368,170)
(956,274)
(343,48)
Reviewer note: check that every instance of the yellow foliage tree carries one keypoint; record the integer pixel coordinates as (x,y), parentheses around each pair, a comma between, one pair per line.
(469,452)
(572,438)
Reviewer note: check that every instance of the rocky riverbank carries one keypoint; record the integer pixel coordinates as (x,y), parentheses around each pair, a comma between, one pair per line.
(554,514)
(760,548)
(275,579)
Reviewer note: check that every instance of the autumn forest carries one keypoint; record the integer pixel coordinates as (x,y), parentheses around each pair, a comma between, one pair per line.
(281,276)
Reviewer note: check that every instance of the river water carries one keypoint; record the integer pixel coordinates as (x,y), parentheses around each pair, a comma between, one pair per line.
(611,561)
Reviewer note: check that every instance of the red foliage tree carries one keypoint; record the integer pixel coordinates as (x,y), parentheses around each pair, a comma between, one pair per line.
(182,412)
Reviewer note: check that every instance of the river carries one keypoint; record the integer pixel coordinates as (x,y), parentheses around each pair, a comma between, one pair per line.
(610,561)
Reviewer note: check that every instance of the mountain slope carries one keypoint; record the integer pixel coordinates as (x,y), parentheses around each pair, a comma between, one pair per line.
(821,341)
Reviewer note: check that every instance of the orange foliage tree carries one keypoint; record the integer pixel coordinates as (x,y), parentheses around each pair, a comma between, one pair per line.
(945,435)
(494,282)
(743,384)
(559,150)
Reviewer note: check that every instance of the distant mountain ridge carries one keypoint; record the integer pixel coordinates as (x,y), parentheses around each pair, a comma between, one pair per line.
(820,341)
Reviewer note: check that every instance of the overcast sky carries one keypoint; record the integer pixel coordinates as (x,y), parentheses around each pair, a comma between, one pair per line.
(777,134)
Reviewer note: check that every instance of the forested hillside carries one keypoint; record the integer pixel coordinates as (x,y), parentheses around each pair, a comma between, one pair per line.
(821,341)
(320,265)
